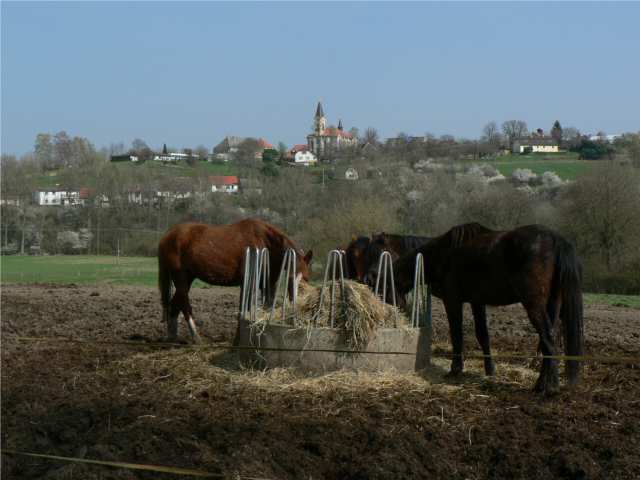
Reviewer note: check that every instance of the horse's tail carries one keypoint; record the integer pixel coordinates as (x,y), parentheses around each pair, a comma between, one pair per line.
(164,284)
(569,282)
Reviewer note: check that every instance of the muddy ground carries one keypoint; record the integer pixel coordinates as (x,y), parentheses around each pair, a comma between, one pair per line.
(197,409)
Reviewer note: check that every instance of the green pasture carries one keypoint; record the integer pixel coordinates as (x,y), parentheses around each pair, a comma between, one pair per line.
(566,165)
(89,269)
(81,269)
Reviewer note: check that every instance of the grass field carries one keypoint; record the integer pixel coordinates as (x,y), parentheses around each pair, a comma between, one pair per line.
(90,269)
(566,165)
(178,169)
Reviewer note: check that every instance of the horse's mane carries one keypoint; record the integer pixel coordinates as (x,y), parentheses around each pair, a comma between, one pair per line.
(460,234)
(406,242)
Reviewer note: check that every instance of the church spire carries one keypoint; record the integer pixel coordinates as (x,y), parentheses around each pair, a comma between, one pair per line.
(340,124)
(319,111)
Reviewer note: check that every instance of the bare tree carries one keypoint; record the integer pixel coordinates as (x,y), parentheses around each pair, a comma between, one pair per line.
(602,212)
(202,152)
(514,129)
(556,132)
(371,136)
(491,134)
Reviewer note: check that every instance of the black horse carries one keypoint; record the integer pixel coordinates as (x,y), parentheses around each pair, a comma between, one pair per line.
(396,245)
(531,265)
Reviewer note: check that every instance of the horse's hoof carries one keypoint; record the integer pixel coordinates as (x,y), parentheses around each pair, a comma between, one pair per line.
(489,368)
(454,373)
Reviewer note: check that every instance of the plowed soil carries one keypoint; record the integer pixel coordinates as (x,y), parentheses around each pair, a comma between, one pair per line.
(197,409)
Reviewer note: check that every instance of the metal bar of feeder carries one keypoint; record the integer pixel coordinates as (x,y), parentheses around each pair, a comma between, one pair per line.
(288,267)
(334,258)
(244,301)
(385,265)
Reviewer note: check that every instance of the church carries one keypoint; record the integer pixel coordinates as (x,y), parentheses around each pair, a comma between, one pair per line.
(325,140)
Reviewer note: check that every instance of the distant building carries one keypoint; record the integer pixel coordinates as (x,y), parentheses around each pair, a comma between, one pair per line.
(57,197)
(224,183)
(535,144)
(300,155)
(227,147)
(124,158)
(601,137)
(325,139)
(351,174)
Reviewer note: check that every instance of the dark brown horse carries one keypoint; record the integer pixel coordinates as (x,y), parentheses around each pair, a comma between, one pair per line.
(362,254)
(215,254)
(354,260)
(397,245)
(531,265)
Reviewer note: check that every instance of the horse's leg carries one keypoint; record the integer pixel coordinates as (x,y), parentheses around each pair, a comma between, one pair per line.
(188,315)
(180,304)
(482,335)
(553,311)
(548,379)
(454,316)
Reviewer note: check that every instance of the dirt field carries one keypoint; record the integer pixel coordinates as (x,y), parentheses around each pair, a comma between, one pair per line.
(196,409)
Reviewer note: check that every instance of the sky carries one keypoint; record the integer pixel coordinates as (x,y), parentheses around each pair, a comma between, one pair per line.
(187,74)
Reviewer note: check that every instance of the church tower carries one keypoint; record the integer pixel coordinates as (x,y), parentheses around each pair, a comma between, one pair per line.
(320,122)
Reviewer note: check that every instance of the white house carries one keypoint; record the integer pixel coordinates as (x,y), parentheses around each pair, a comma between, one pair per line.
(57,197)
(224,183)
(300,155)
(351,174)
(535,144)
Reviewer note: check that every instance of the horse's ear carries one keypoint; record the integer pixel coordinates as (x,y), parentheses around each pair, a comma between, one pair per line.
(308,257)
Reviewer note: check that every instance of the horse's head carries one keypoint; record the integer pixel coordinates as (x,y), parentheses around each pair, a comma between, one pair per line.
(304,266)
(379,243)
(356,257)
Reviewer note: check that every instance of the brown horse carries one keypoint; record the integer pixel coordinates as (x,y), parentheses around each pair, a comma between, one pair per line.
(362,254)
(531,265)
(215,254)
(396,245)
(354,260)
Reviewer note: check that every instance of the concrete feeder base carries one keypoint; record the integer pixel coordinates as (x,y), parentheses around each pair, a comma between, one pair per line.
(415,341)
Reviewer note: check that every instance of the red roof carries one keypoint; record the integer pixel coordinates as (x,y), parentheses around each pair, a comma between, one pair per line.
(264,144)
(223,180)
(301,147)
(86,192)
(335,132)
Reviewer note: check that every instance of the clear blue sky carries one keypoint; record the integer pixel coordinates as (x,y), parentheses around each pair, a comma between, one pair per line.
(190,73)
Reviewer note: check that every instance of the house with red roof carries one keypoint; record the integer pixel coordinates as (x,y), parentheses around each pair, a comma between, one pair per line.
(224,183)
(325,140)
(301,155)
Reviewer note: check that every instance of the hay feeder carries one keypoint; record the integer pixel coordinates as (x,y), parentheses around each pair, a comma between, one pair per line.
(328,328)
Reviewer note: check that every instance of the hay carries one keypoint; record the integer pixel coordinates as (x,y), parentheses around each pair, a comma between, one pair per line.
(359,314)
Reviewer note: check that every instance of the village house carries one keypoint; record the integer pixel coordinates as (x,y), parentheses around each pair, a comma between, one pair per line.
(55,197)
(300,155)
(227,147)
(224,183)
(536,143)
(326,139)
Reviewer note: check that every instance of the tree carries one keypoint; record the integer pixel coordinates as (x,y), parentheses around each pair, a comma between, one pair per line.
(514,129)
(371,136)
(248,152)
(43,149)
(282,149)
(202,152)
(491,134)
(601,213)
(164,149)
(570,137)
(556,132)
(138,145)
(62,150)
